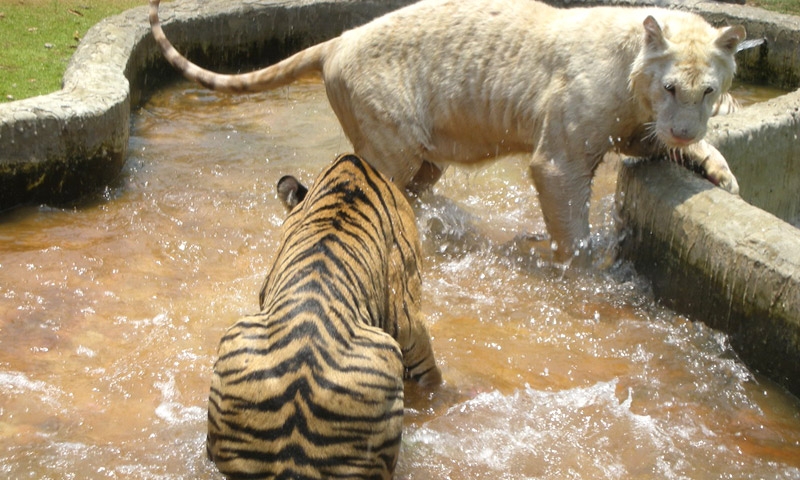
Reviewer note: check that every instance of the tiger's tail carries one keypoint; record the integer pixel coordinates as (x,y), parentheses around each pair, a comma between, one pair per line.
(282,73)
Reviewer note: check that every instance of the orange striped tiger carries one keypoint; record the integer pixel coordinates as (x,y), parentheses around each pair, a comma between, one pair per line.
(312,386)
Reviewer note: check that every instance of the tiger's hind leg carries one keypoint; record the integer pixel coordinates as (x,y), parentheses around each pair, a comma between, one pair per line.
(420,364)
(410,329)
(396,149)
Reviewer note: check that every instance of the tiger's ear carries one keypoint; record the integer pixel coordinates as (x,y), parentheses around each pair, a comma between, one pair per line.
(730,38)
(653,35)
(290,192)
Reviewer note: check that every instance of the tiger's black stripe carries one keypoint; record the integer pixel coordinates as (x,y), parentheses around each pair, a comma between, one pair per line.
(312,386)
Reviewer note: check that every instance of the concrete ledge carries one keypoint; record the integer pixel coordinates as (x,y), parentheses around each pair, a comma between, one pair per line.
(716,258)
(57,147)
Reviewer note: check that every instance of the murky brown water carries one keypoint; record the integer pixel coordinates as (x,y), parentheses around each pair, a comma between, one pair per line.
(110,315)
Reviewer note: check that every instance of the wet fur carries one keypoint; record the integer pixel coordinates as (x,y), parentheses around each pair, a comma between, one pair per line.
(466,81)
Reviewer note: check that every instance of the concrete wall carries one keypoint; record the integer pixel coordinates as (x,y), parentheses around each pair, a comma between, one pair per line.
(716,258)
(762,146)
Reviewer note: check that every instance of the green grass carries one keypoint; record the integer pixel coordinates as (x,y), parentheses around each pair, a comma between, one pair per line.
(782,6)
(37,38)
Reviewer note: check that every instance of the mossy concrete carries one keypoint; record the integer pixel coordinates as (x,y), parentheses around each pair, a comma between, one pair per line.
(709,254)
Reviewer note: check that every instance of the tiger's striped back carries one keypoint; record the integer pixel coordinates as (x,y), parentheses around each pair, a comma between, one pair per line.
(312,386)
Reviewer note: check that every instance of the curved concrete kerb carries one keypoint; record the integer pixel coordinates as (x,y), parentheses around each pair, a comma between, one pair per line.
(709,254)
(57,147)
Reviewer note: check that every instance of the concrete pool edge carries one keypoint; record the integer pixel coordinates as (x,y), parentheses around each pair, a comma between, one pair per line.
(58,147)
(715,258)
